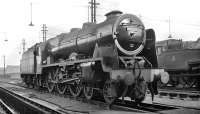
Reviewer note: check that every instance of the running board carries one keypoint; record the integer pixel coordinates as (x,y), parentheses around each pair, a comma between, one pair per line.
(69,80)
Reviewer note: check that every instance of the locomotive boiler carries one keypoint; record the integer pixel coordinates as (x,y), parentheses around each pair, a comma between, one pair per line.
(128,37)
(116,58)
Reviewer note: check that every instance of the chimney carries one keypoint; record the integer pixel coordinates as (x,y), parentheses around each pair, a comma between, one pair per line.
(112,14)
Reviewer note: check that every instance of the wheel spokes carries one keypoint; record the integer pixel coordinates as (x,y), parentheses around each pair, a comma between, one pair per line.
(140,90)
(109,92)
(50,84)
(61,88)
(75,88)
(190,82)
(88,92)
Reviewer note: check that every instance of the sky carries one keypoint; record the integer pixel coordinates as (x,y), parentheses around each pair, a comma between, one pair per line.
(62,15)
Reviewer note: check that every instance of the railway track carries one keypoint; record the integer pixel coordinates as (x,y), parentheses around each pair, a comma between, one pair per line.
(23,105)
(5,108)
(180,94)
(187,89)
(143,107)
(118,105)
(127,105)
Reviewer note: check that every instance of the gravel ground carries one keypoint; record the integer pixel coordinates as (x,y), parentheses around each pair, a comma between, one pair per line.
(63,102)
(174,102)
(79,106)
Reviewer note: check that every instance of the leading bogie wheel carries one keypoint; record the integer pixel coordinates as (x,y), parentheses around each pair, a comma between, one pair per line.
(88,92)
(140,90)
(109,92)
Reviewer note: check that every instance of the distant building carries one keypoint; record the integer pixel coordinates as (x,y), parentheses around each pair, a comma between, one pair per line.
(1,71)
(11,71)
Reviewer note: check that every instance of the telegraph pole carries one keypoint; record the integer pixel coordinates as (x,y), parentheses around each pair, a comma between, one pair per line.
(170,35)
(88,13)
(44,32)
(95,10)
(93,6)
(92,11)
(23,45)
(31,24)
(4,58)
(4,66)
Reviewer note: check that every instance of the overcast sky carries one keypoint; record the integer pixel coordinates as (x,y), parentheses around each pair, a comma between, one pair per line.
(61,15)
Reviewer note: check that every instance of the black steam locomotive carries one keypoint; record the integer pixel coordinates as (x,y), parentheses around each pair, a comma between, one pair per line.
(181,60)
(117,58)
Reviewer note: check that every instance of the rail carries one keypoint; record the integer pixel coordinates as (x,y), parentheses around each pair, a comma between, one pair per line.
(118,105)
(23,105)
(180,94)
(6,108)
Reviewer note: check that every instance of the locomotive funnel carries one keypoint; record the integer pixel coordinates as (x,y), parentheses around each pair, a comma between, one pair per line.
(129,34)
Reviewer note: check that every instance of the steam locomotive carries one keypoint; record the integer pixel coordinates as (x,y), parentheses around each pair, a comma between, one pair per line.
(181,61)
(116,58)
